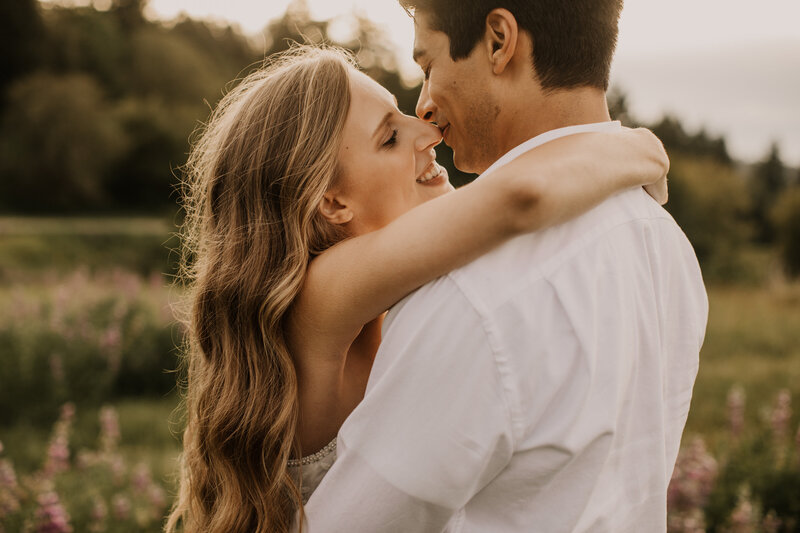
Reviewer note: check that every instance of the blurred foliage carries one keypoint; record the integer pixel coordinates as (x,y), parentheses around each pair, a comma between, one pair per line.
(752,484)
(106,469)
(769,181)
(85,339)
(98,106)
(785,217)
(726,208)
(21,32)
(718,230)
(60,138)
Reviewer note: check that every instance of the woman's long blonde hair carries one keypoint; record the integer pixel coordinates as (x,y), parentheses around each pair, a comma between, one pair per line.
(254,182)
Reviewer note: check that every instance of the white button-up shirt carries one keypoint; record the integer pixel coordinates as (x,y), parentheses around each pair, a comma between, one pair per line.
(543,387)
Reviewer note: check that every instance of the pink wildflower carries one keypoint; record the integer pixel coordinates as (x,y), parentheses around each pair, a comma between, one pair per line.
(109,429)
(117,466)
(797,442)
(781,414)
(771,523)
(9,488)
(744,516)
(50,516)
(736,400)
(58,450)
(157,497)
(693,477)
(57,367)
(99,515)
(121,506)
(691,521)
(140,478)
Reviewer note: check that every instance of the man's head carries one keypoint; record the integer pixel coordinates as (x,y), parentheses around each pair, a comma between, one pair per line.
(484,59)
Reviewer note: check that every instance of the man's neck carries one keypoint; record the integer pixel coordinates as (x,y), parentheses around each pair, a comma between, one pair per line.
(553,111)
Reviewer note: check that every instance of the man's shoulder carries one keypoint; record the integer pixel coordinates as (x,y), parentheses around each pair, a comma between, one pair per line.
(528,262)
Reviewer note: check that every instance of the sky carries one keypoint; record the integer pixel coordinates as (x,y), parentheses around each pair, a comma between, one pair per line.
(731,66)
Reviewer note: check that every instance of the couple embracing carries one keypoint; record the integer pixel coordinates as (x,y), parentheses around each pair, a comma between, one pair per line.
(535,367)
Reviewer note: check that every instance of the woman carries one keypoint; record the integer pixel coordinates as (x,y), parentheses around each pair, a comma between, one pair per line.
(313,206)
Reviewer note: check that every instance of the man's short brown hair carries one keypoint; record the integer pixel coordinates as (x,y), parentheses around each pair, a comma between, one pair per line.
(573,40)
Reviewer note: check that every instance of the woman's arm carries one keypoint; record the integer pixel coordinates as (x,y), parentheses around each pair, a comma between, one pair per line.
(358,279)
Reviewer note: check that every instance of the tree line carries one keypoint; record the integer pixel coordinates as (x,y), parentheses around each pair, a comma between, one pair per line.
(97,107)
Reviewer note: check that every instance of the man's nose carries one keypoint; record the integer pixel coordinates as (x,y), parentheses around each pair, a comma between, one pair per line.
(425,107)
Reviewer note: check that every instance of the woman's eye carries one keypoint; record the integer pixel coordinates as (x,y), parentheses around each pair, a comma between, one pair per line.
(392,139)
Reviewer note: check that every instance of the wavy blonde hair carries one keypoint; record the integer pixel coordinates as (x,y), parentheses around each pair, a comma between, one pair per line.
(254,183)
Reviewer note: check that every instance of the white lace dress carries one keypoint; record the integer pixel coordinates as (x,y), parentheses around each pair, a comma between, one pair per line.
(309,471)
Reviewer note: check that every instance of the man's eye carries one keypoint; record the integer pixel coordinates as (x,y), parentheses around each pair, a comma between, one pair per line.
(392,139)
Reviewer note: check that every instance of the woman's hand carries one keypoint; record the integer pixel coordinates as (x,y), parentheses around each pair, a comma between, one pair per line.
(654,159)
(569,175)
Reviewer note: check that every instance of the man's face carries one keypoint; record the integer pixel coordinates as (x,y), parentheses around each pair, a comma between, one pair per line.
(456,96)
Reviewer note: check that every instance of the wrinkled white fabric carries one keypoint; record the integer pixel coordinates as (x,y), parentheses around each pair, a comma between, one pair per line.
(543,387)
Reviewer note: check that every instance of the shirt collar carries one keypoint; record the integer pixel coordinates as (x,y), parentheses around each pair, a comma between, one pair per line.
(548,136)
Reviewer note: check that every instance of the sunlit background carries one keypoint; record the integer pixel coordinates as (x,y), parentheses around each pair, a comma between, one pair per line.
(726,66)
(98,99)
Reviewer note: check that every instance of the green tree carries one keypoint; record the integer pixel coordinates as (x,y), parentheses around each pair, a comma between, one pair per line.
(164,66)
(21,34)
(785,217)
(129,14)
(88,41)
(676,139)
(143,178)
(618,107)
(766,185)
(717,229)
(60,137)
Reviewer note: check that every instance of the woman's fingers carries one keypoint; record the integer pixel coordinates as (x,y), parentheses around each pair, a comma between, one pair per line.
(658,190)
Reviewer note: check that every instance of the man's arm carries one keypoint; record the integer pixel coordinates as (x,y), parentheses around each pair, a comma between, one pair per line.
(433,429)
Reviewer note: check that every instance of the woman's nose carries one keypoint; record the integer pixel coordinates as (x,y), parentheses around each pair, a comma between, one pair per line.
(429,136)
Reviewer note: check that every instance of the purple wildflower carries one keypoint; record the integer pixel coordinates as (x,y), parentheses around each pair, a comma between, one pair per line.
(736,400)
(781,414)
(109,429)
(771,523)
(50,516)
(744,516)
(99,515)
(693,477)
(58,449)
(9,487)
(121,507)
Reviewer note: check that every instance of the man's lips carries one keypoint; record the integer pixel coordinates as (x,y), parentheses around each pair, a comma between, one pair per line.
(445,129)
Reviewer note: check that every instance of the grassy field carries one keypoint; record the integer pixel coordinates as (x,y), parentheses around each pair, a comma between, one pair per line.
(34,247)
(149,428)
(752,341)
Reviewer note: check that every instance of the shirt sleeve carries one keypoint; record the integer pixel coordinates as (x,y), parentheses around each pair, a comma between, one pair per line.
(433,429)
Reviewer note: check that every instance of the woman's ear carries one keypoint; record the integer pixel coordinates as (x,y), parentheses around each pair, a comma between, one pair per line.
(501,38)
(334,210)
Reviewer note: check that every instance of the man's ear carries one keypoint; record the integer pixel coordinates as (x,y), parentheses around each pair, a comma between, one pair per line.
(334,210)
(501,38)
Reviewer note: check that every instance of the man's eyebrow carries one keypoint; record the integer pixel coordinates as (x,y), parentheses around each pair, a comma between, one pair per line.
(386,118)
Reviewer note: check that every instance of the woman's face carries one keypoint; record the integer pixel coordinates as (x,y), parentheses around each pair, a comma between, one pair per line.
(386,161)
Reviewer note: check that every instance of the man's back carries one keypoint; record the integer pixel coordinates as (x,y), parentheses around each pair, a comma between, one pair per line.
(596,325)
(543,387)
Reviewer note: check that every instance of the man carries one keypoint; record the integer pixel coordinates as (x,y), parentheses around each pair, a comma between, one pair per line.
(545,386)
